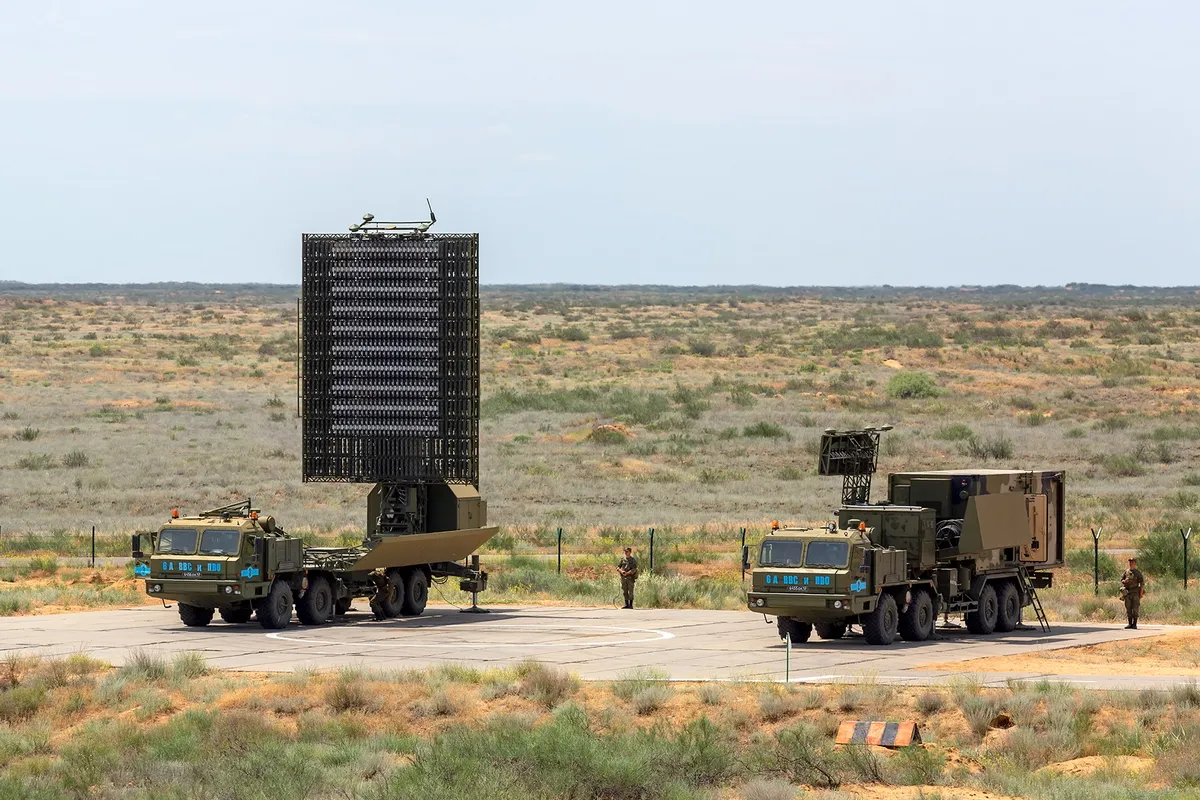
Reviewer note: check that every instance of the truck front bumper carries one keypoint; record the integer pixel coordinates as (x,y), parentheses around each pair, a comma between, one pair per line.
(809,607)
(199,592)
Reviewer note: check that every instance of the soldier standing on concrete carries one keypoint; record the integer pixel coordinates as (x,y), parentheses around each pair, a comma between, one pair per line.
(628,569)
(1133,589)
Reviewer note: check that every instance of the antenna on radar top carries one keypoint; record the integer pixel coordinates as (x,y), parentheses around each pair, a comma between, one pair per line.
(416,228)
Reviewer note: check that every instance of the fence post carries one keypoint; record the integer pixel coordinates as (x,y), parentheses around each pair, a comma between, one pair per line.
(1096,562)
(93,547)
(787,657)
(740,554)
(652,550)
(560,551)
(1186,536)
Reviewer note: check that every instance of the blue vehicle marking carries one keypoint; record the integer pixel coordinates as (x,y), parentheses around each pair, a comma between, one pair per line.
(250,572)
(858,585)
(142,570)
(213,567)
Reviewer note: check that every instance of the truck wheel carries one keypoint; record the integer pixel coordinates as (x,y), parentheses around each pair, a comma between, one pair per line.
(983,620)
(916,624)
(416,593)
(236,615)
(389,599)
(830,630)
(275,610)
(880,626)
(794,629)
(195,616)
(315,606)
(1008,607)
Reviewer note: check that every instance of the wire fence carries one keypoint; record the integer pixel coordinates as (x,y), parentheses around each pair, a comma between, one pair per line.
(559,548)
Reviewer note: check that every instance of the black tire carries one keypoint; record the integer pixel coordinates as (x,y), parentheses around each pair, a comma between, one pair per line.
(237,615)
(315,606)
(830,630)
(916,623)
(794,629)
(1008,607)
(343,605)
(881,625)
(416,593)
(275,610)
(983,620)
(195,616)
(388,601)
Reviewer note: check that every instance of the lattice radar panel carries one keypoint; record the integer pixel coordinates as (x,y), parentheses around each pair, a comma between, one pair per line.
(389,385)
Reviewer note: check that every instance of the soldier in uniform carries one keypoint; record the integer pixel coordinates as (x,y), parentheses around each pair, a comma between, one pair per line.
(627,567)
(1133,588)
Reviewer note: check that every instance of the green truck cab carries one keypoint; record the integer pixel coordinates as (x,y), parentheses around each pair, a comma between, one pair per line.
(240,564)
(976,542)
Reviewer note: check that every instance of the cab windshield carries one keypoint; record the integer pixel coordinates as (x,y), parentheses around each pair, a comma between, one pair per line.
(220,542)
(780,554)
(827,554)
(177,541)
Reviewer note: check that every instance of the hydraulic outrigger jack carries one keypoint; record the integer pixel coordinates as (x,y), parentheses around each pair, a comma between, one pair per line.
(474,586)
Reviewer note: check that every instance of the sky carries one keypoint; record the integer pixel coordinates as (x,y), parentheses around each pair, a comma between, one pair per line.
(779,143)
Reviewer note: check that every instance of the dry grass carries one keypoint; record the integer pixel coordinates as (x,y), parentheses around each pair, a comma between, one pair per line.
(59,720)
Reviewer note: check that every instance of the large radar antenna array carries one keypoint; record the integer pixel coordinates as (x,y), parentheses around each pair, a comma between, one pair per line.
(853,455)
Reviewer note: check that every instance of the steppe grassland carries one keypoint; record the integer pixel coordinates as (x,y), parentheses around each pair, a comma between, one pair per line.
(113,409)
(73,727)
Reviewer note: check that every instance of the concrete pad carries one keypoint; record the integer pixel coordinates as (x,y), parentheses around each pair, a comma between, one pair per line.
(595,643)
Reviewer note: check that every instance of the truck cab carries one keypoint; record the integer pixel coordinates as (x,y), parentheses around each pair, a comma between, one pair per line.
(216,561)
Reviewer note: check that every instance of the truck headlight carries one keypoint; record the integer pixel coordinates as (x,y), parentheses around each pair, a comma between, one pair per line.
(760,602)
(228,590)
(837,603)
(156,587)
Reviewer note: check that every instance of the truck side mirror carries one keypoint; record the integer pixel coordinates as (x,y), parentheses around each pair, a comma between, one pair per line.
(260,551)
(745,556)
(868,561)
(135,549)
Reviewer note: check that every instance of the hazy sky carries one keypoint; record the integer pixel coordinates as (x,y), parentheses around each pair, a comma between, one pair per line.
(648,142)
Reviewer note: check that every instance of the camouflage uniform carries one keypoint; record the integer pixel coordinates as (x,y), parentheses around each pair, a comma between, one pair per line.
(1133,585)
(628,568)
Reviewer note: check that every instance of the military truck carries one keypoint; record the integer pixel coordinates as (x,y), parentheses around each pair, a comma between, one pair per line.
(238,563)
(970,541)
(388,394)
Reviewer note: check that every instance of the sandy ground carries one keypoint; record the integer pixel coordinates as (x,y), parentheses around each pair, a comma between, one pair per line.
(1176,652)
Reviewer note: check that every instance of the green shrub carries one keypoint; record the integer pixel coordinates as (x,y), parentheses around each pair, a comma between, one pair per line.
(20,702)
(1191,479)
(955,432)
(768,430)
(1161,553)
(1122,465)
(75,459)
(702,348)
(1022,403)
(930,702)
(545,685)
(790,473)
(1084,561)
(573,333)
(36,461)
(27,434)
(912,386)
(1112,424)
(997,447)
(1074,433)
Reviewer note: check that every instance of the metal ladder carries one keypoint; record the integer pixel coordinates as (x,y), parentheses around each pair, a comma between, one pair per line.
(1035,601)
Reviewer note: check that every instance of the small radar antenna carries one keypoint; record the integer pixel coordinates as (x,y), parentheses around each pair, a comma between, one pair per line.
(415,229)
(853,455)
